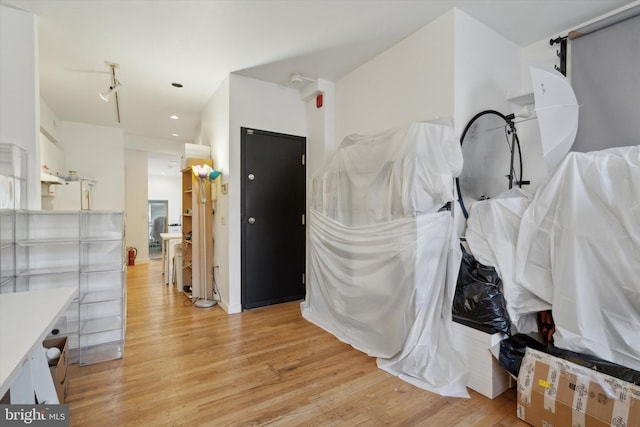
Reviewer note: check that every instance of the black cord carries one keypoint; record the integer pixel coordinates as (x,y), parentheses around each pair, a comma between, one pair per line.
(215,286)
(509,120)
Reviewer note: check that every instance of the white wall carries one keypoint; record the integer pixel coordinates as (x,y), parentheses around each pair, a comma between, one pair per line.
(241,102)
(538,53)
(168,188)
(259,105)
(321,123)
(411,81)
(487,72)
(97,152)
(19,91)
(137,223)
(321,137)
(486,69)
(214,132)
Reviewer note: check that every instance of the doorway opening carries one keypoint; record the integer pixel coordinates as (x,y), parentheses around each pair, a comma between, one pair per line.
(158,211)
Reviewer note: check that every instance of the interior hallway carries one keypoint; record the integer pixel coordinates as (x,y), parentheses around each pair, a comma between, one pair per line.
(201,367)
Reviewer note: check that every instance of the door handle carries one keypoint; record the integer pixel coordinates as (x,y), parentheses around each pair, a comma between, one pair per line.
(251,177)
(251,220)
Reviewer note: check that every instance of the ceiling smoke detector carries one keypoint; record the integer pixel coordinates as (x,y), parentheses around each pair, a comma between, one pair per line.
(299,78)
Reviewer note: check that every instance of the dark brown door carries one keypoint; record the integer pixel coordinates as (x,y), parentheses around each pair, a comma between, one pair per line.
(273,224)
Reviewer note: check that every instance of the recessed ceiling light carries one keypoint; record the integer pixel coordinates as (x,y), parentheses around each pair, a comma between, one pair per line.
(175,134)
(174,117)
(174,84)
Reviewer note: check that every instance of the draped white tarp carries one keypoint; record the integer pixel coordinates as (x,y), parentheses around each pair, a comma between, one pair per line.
(402,172)
(383,260)
(492,232)
(575,248)
(578,248)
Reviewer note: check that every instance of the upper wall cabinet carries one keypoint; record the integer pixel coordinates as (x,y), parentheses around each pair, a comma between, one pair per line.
(13,177)
(48,121)
(51,157)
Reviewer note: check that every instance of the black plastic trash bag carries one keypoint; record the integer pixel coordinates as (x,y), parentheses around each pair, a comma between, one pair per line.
(478,301)
(512,352)
(592,362)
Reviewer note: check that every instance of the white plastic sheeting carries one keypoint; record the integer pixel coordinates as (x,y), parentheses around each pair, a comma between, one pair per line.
(575,247)
(403,172)
(579,249)
(492,232)
(383,260)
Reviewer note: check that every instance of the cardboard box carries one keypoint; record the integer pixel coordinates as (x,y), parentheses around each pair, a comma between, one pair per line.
(485,374)
(555,392)
(60,368)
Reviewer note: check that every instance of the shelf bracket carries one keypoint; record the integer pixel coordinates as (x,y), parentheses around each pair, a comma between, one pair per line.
(562,53)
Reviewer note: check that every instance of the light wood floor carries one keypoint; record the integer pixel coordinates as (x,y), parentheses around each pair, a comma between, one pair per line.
(201,367)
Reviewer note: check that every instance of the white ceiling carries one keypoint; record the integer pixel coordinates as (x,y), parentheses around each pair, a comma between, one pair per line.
(163,164)
(199,42)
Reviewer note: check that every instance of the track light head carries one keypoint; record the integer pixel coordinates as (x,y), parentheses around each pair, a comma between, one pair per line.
(106,94)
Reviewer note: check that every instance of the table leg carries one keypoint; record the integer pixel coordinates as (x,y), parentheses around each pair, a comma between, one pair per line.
(163,256)
(35,379)
(22,387)
(42,380)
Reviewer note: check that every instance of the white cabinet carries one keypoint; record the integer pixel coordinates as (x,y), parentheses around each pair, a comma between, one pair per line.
(13,177)
(72,195)
(485,374)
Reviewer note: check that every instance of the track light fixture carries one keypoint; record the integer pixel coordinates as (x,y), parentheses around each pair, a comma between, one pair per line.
(106,94)
(113,87)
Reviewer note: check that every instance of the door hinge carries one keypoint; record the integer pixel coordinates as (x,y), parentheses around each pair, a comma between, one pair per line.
(249,131)
(303,160)
(302,219)
(303,278)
